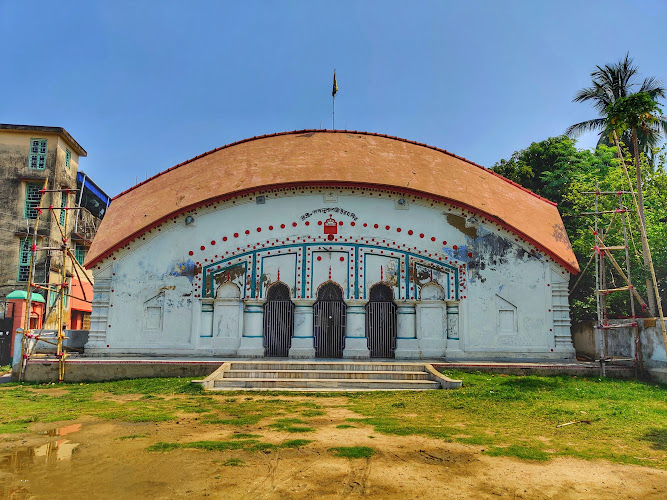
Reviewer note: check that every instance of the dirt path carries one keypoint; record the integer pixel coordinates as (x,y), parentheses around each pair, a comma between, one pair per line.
(92,460)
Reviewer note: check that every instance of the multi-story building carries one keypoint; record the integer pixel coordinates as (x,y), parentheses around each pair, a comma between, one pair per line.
(29,156)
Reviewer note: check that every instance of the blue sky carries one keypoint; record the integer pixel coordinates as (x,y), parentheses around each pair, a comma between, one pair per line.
(145,85)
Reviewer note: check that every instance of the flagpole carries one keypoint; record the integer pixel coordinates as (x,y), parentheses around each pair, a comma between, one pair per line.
(333,103)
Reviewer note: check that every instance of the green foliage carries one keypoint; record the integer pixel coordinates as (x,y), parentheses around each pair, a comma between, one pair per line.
(634,112)
(287,425)
(518,451)
(655,203)
(352,451)
(133,436)
(233,462)
(246,444)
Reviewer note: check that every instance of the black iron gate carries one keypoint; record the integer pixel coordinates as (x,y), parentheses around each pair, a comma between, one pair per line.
(278,320)
(381,322)
(329,321)
(6,324)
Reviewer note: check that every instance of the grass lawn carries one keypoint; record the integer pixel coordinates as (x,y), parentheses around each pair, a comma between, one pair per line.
(617,420)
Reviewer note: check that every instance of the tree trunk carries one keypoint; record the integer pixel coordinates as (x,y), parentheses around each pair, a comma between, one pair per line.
(650,294)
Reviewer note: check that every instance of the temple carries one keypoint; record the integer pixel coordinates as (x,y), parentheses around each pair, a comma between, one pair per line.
(331,244)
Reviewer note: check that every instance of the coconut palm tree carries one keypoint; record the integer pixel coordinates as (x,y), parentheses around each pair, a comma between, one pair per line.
(638,114)
(610,83)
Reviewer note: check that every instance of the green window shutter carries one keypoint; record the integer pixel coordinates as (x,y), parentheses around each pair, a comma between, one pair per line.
(80,253)
(63,203)
(32,199)
(24,259)
(37,156)
(68,157)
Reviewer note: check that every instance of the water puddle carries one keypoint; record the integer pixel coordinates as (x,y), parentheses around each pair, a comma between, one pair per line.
(52,452)
(62,431)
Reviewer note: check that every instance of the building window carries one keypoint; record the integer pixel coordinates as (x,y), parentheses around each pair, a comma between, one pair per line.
(32,199)
(63,203)
(68,157)
(80,253)
(37,154)
(24,259)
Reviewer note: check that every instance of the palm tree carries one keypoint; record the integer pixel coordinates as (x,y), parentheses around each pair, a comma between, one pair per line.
(610,83)
(637,114)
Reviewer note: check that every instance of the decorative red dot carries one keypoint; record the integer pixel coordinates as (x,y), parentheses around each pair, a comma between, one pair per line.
(340,223)
(469,254)
(319,222)
(398,229)
(342,259)
(410,232)
(259,229)
(212,242)
(191,252)
(293,224)
(236,235)
(282,226)
(224,238)
(444,242)
(365,225)
(352,223)
(247,231)
(386,227)
(432,238)
(202,247)
(375,226)
(319,258)
(455,247)
(307,223)
(270,228)
(421,235)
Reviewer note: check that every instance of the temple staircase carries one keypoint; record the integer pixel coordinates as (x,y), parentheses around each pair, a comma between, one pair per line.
(325,376)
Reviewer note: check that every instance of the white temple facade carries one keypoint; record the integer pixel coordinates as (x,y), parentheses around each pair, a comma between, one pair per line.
(357,268)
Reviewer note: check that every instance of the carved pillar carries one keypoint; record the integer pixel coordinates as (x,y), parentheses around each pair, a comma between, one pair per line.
(561,319)
(99,318)
(356,344)
(252,342)
(453,337)
(303,342)
(407,345)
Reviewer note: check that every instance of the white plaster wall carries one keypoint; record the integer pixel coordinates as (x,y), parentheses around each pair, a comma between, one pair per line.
(167,262)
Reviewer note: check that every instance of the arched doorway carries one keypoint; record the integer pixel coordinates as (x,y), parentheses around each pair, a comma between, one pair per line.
(329,321)
(381,321)
(278,320)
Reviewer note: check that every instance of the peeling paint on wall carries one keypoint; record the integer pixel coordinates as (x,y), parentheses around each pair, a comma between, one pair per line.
(187,268)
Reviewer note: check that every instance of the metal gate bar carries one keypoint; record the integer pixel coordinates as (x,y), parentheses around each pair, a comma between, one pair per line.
(381,322)
(278,321)
(329,322)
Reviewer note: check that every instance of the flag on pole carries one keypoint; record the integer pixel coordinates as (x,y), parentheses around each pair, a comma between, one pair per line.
(335,86)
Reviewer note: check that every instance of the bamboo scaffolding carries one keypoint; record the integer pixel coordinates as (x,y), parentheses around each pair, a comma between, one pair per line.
(27,347)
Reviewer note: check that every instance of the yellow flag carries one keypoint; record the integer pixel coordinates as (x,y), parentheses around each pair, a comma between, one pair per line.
(335,86)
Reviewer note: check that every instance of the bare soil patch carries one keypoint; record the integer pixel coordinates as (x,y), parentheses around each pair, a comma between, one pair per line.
(109,459)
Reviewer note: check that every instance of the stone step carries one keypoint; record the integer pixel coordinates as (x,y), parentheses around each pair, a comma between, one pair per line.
(325,365)
(323,383)
(327,374)
(286,375)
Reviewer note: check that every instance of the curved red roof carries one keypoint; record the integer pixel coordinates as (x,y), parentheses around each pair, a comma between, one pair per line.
(334,158)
